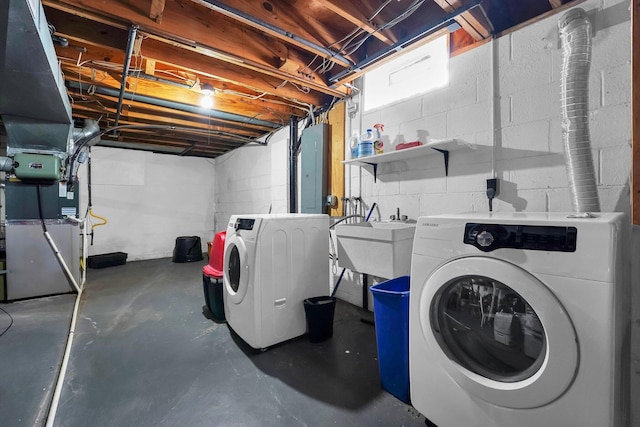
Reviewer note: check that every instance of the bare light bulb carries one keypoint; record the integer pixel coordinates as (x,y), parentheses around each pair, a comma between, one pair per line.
(206,101)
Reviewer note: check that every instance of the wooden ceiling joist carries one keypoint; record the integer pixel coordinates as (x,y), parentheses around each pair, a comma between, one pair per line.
(350,12)
(476,29)
(244,11)
(220,42)
(156,10)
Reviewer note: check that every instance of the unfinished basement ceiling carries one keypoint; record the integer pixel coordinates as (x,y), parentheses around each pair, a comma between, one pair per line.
(265,60)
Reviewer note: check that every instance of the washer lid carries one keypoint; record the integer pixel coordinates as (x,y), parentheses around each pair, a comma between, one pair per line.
(504,337)
(236,269)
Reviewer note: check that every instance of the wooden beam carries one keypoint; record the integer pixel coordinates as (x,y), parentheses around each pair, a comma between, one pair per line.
(194,28)
(349,11)
(230,76)
(168,114)
(336,156)
(150,66)
(156,11)
(296,34)
(635,112)
(228,103)
(473,26)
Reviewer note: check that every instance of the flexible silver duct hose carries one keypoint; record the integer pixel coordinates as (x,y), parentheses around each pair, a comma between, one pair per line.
(575,35)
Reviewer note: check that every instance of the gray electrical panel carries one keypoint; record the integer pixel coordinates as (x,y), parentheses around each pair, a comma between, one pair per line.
(313,179)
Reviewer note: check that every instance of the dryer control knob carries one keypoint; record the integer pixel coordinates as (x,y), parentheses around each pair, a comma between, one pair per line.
(484,238)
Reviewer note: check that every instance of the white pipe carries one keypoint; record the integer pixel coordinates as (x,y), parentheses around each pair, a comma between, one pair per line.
(63,264)
(55,400)
(492,106)
(575,34)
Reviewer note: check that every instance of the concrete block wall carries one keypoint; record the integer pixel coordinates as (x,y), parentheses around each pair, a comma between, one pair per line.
(527,152)
(149,200)
(252,179)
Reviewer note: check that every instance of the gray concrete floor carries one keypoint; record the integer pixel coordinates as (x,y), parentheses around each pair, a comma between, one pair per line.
(145,354)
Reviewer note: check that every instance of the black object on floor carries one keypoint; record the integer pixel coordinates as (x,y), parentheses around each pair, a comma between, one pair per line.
(107,260)
(187,249)
(319,312)
(213,297)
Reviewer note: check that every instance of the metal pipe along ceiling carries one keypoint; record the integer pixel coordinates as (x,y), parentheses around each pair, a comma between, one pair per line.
(230,11)
(178,106)
(133,30)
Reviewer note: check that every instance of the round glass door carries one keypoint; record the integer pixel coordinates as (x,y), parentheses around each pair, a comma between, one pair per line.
(233,269)
(498,331)
(488,328)
(236,269)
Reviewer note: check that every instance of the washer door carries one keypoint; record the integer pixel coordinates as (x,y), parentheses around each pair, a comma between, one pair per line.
(504,336)
(236,269)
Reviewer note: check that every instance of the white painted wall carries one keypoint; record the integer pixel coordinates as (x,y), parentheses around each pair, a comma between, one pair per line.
(252,179)
(149,200)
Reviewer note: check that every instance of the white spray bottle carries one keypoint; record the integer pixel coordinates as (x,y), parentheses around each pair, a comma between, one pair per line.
(378,145)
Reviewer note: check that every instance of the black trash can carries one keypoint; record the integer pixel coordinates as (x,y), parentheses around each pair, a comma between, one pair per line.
(187,249)
(319,312)
(213,297)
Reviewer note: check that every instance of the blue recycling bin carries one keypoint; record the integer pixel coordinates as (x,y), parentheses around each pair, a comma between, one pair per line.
(391,314)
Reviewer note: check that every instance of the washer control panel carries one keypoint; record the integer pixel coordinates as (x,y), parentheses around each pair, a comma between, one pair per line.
(488,237)
(244,224)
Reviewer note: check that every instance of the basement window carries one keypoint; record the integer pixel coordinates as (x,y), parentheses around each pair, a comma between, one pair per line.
(413,73)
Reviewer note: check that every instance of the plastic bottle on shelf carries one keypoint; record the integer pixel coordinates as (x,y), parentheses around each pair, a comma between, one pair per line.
(353,144)
(378,145)
(365,146)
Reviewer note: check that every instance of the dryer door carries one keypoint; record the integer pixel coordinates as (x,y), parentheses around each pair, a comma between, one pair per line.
(505,338)
(236,269)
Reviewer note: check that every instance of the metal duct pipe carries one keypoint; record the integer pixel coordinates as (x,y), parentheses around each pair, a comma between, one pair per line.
(6,164)
(575,36)
(90,130)
(133,30)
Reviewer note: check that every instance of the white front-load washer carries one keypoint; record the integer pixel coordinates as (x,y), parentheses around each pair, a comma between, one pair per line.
(519,319)
(272,263)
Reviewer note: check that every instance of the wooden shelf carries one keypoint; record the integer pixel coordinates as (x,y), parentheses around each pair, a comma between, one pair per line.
(442,146)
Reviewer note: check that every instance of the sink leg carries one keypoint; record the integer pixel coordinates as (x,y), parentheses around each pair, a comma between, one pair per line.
(366,316)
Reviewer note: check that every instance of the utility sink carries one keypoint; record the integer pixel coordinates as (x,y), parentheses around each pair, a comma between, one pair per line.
(381,249)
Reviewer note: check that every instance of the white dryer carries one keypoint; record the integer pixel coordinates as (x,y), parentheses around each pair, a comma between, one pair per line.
(519,320)
(272,263)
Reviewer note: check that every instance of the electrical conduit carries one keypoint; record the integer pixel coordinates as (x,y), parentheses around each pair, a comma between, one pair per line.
(575,36)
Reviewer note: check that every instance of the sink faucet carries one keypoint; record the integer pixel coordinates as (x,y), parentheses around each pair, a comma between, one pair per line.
(398,217)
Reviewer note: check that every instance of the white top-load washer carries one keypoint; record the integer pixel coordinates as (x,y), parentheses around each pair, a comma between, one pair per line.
(272,263)
(520,319)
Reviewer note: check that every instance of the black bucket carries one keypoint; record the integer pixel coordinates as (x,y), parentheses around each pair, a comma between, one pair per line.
(187,249)
(213,297)
(319,312)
